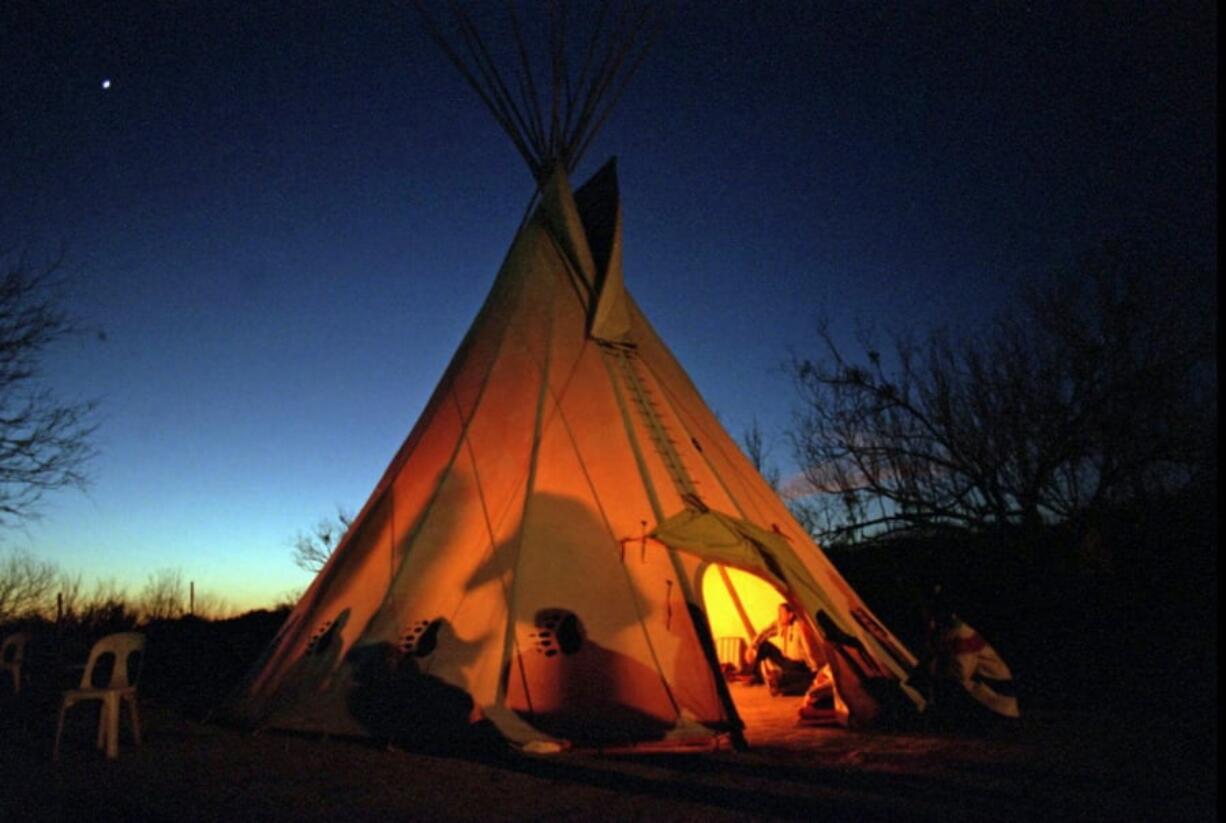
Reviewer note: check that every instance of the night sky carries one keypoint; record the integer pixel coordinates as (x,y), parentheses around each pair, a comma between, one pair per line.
(283,217)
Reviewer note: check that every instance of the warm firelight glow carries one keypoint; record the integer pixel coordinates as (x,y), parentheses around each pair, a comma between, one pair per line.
(759,602)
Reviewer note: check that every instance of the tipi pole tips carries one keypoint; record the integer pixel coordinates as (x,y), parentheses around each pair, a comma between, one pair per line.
(621,34)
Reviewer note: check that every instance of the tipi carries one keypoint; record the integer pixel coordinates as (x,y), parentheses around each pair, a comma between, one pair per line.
(535,554)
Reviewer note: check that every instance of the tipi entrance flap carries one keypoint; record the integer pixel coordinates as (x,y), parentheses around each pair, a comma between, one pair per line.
(718,538)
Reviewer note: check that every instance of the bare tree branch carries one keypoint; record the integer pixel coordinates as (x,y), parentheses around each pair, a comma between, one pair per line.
(1098,387)
(312,549)
(162,597)
(45,442)
(753,441)
(27,585)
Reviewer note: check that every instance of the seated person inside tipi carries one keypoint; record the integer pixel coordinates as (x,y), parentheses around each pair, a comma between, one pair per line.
(786,654)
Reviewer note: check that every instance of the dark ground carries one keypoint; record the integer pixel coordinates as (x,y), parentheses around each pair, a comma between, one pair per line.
(1117,674)
(1067,767)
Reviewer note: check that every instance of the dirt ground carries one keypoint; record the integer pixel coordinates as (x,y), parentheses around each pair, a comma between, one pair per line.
(1048,767)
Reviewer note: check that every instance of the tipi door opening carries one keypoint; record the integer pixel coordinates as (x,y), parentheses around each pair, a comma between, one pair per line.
(740,606)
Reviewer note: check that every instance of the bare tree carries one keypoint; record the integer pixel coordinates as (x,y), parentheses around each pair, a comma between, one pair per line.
(70,589)
(312,549)
(99,610)
(45,442)
(105,609)
(794,492)
(162,597)
(26,584)
(287,600)
(212,606)
(1098,388)
(753,441)
(107,593)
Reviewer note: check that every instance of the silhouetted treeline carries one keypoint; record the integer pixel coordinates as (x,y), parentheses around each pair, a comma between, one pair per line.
(1095,391)
(1055,471)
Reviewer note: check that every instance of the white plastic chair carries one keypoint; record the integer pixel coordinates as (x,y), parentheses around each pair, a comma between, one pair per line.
(123,645)
(12,650)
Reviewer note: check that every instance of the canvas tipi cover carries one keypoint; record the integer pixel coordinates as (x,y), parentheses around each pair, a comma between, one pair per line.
(532,556)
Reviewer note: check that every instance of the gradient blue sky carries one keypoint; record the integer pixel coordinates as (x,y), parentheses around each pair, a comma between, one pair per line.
(285,215)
